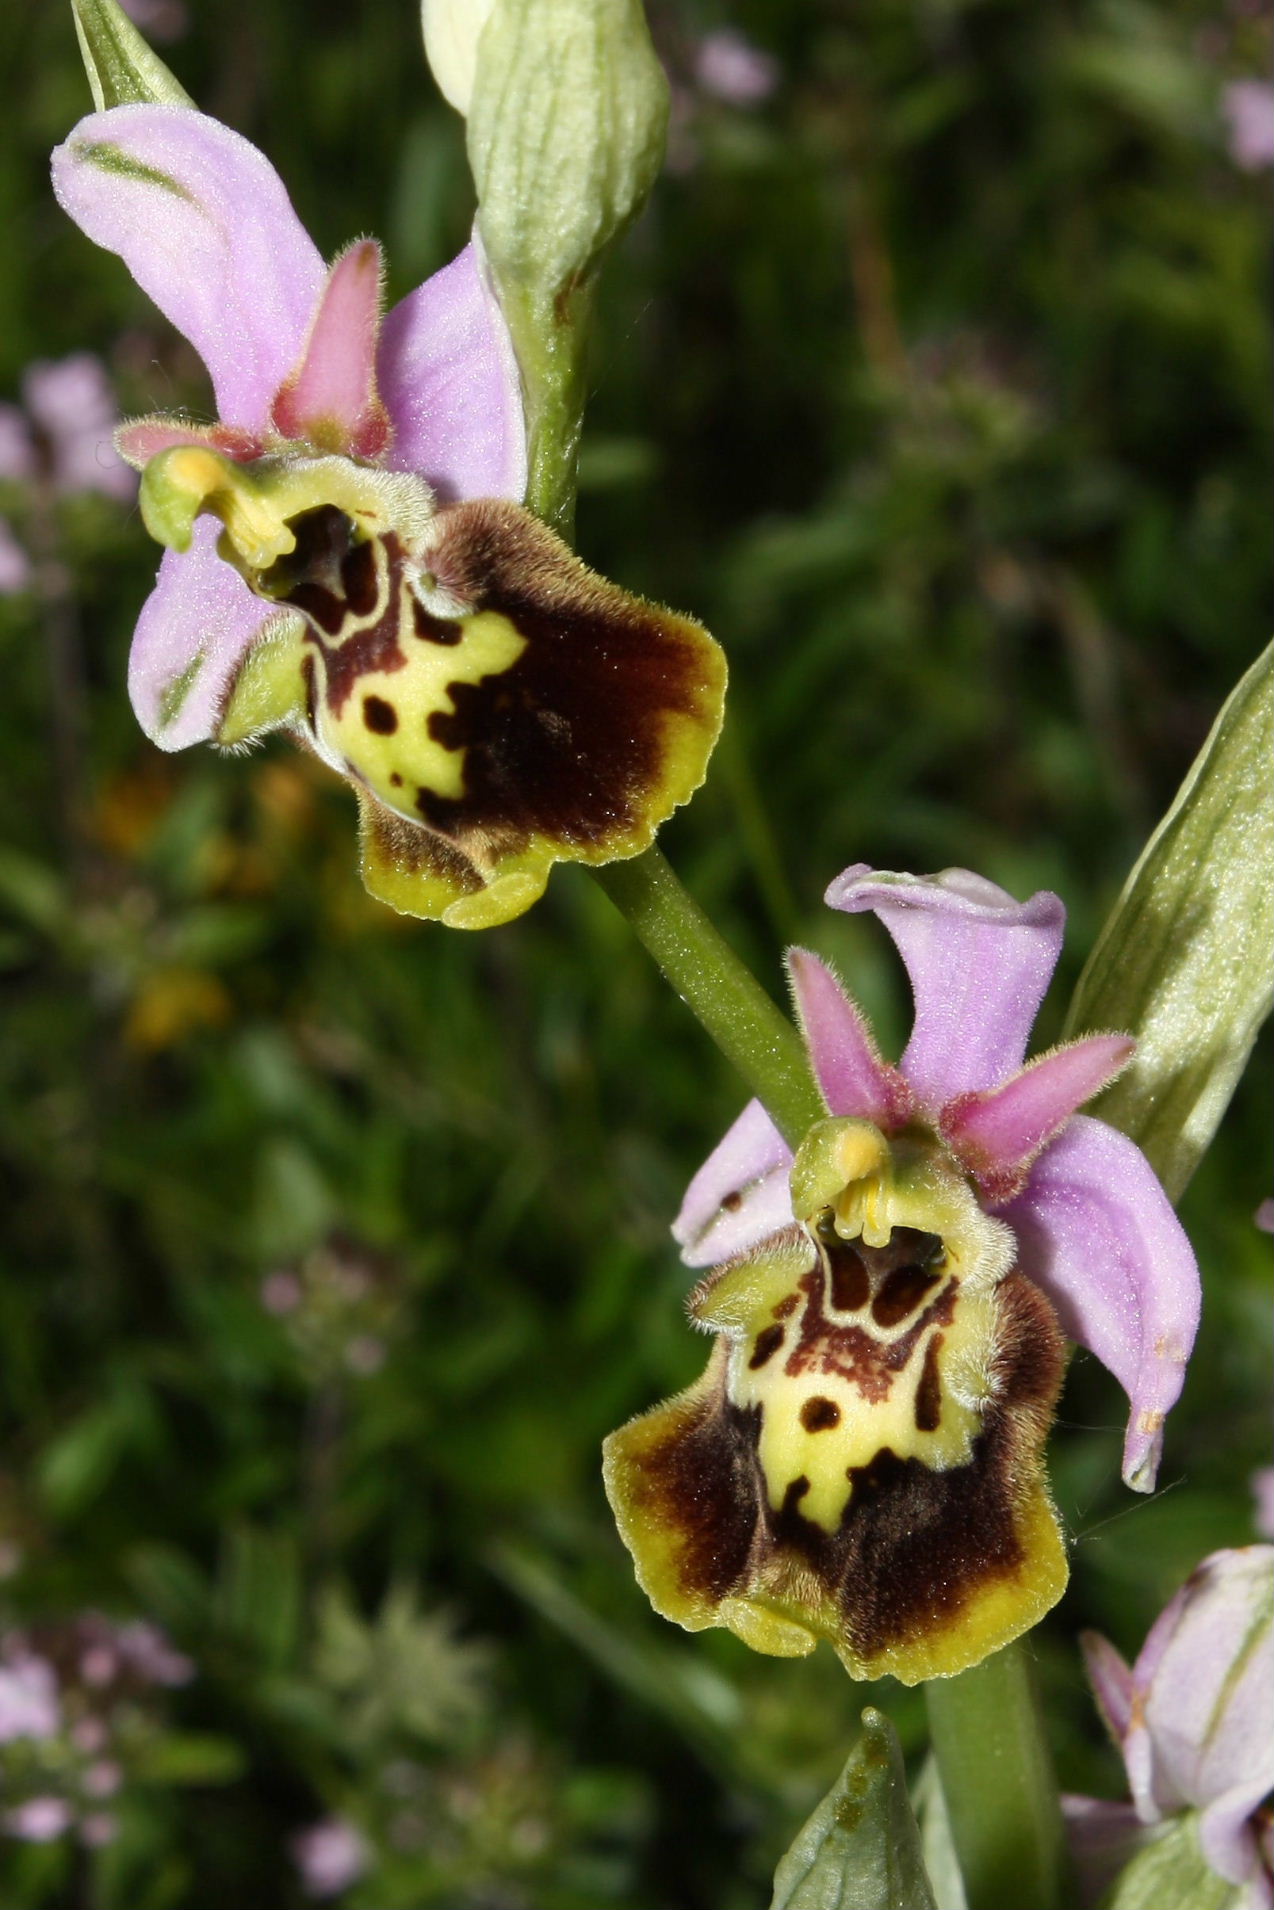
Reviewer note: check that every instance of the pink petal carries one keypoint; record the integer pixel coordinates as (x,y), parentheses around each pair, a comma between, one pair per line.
(740,1195)
(1112,1682)
(449,379)
(199,618)
(998,1133)
(203,223)
(853,1078)
(979,964)
(331,396)
(1097,1233)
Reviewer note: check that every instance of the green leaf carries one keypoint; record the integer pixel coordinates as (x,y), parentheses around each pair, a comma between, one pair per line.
(861,1848)
(122,70)
(170,1585)
(1170,1870)
(259,1593)
(1186,960)
(191,1757)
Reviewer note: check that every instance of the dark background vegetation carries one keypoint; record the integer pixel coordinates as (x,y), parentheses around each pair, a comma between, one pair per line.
(937,385)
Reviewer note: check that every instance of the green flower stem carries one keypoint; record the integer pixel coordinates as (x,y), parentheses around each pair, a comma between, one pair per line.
(731,1004)
(550,346)
(997,1777)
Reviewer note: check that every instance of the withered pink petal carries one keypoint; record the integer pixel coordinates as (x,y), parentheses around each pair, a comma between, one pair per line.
(203,223)
(1002,1129)
(1098,1234)
(740,1195)
(330,397)
(449,379)
(193,631)
(853,1078)
(979,963)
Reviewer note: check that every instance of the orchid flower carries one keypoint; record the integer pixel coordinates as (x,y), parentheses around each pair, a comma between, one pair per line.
(1192,1719)
(376,585)
(862,1460)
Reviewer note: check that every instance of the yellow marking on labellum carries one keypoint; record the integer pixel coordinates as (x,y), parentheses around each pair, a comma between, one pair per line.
(870,1376)
(396,763)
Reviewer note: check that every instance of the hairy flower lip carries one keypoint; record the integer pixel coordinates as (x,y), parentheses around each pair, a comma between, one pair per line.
(1095,1231)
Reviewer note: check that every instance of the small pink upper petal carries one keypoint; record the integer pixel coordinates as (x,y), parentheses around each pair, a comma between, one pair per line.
(142,439)
(999,1132)
(192,633)
(203,223)
(1098,1234)
(853,1078)
(979,963)
(330,397)
(740,1196)
(449,379)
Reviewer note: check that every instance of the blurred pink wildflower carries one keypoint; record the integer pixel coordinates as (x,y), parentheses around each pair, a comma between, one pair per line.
(28,1696)
(330,1857)
(1248,106)
(733,70)
(61,436)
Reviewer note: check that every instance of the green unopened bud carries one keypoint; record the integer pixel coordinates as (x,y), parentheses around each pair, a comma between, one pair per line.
(566,133)
(1185,961)
(861,1848)
(122,70)
(451,29)
(567,119)
(1171,1869)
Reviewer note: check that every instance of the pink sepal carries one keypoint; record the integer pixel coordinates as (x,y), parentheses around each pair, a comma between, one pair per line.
(192,634)
(1098,1234)
(740,1195)
(979,963)
(204,224)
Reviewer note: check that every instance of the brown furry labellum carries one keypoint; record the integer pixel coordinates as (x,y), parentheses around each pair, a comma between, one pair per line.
(862,1459)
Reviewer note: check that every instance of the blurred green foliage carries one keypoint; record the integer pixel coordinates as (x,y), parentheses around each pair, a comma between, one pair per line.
(937,384)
